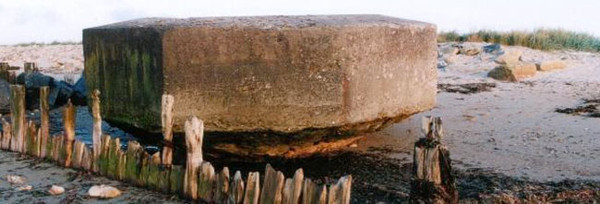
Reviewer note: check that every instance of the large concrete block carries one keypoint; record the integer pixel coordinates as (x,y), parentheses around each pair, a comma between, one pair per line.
(276,74)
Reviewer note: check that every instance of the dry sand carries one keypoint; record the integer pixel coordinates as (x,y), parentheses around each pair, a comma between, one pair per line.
(510,136)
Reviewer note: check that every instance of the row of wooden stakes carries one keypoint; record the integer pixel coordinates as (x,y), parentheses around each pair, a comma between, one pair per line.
(197,180)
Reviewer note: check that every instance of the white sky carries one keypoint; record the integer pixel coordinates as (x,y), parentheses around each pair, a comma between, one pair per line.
(63,20)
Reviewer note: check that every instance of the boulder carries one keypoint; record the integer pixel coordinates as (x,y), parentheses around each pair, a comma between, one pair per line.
(287,76)
(60,91)
(513,73)
(551,65)
(4,97)
(509,57)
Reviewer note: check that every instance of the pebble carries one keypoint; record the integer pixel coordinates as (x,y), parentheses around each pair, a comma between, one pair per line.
(104,191)
(13,179)
(56,190)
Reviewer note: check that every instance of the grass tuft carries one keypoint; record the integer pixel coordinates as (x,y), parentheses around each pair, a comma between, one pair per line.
(542,39)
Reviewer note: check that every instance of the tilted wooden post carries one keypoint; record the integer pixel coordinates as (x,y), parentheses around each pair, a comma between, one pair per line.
(17,109)
(69,128)
(97,127)
(433,180)
(44,119)
(167,127)
(194,133)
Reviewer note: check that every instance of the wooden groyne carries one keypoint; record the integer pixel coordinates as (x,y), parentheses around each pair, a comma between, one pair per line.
(197,180)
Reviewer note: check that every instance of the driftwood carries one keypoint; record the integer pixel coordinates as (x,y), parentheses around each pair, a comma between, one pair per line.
(69,128)
(17,109)
(194,133)
(293,188)
(167,127)
(433,182)
(44,119)
(252,188)
(272,186)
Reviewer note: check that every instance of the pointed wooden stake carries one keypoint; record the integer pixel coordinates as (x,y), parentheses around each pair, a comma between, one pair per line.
(69,128)
(44,119)
(272,186)
(194,133)
(252,188)
(434,182)
(17,109)
(97,120)
(293,188)
(167,127)
(237,189)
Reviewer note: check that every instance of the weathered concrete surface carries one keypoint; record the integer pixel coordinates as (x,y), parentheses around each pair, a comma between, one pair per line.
(281,74)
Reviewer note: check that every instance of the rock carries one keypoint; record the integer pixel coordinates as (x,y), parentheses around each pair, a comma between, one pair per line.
(24,188)
(470,51)
(79,92)
(273,74)
(104,191)
(13,179)
(551,65)
(56,190)
(493,48)
(513,72)
(60,91)
(4,97)
(441,64)
(510,57)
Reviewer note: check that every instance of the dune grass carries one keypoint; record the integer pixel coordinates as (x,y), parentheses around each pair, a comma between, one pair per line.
(542,39)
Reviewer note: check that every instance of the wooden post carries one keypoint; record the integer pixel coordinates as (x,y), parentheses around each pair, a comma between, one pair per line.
(29,67)
(206,180)
(97,129)
(6,134)
(433,180)
(87,158)
(12,77)
(44,119)
(133,162)
(222,186)
(237,189)
(152,171)
(78,151)
(112,157)
(293,188)
(194,133)
(272,186)
(167,128)
(252,188)
(176,177)
(122,166)
(69,128)
(17,109)
(313,193)
(339,193)
(31,139)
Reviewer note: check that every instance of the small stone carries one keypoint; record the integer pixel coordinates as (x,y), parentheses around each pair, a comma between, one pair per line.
(24,188)
(13,179)
(104,191)
(510,57)
(56,190)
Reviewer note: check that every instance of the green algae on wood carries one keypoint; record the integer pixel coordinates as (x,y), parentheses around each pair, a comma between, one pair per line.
(132,162)
(112,158)
(206,180)
(17,109)
(176,175)
(153,171)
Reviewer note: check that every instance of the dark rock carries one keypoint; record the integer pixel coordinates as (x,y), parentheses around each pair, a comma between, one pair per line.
(32,82)
(79,92)
(493,48)
(60,91)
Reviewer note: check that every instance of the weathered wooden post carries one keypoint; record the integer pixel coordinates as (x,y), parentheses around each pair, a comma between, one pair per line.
(252,188)
(44,119)
(30,67)
(272,186)
(17,109)
(222,186)
(313,193)
(6,134)
(293,188)
(194,133)
(69,129)
(433,180)
(237,189)
(339,193)
(206,180)
(167,127)
(97,129)
(4,70)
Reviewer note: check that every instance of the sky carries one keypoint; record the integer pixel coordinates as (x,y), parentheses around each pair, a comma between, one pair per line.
(24,21)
